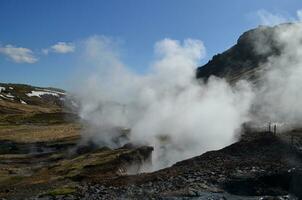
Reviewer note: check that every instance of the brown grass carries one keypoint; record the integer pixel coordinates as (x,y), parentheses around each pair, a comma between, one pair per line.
(37,133)
(29,108)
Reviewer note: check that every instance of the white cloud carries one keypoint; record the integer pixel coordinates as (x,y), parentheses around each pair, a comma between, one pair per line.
(18,54)
(270,19)
(60,47)
(299,14)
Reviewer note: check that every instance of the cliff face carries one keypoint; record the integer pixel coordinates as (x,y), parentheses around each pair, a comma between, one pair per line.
(244,59)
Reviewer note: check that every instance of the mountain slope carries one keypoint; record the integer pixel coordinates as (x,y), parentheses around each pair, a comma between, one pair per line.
(29,113)
(30,95)
(20,104)
(244,59)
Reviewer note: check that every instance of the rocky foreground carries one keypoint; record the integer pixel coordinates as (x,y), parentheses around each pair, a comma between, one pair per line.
(262,167)
(265,167)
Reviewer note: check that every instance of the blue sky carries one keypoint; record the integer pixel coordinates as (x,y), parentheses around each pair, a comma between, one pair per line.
(34,28)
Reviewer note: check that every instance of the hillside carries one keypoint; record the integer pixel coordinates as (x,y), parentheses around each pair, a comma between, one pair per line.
(40,145)
(44,153)
(30,95)
(26,109)
(244,60)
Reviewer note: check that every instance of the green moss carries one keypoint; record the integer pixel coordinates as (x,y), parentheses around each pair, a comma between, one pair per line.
(102,161)
(61,191)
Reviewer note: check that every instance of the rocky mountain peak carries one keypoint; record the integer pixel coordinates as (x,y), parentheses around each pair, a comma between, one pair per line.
(244,59)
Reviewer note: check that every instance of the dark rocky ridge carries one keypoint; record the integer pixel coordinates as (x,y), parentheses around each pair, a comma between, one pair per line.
(243,60)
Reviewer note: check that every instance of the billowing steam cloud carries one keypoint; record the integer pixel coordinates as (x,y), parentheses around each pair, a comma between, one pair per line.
(279,97)
(166,107)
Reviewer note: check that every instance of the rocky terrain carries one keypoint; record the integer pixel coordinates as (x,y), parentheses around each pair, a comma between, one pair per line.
(262,168)
(243,60)
(40,147)
(42,155)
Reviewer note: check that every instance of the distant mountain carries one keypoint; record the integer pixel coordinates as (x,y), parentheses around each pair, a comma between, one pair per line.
(31,95)
(21,103)
(243,60)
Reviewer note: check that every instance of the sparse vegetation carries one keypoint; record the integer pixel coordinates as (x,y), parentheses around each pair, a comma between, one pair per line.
(61,191)
(38,144)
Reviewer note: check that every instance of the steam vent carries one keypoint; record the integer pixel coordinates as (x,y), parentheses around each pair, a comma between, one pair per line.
(161,100)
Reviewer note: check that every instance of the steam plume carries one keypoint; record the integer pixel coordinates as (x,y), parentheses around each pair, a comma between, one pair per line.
(165,107)
(279,96)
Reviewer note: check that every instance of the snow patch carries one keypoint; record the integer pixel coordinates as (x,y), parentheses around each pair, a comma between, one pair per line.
(41,93)
(11,88)
(2,88)
(53,91)
(9,95)
(23,102)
